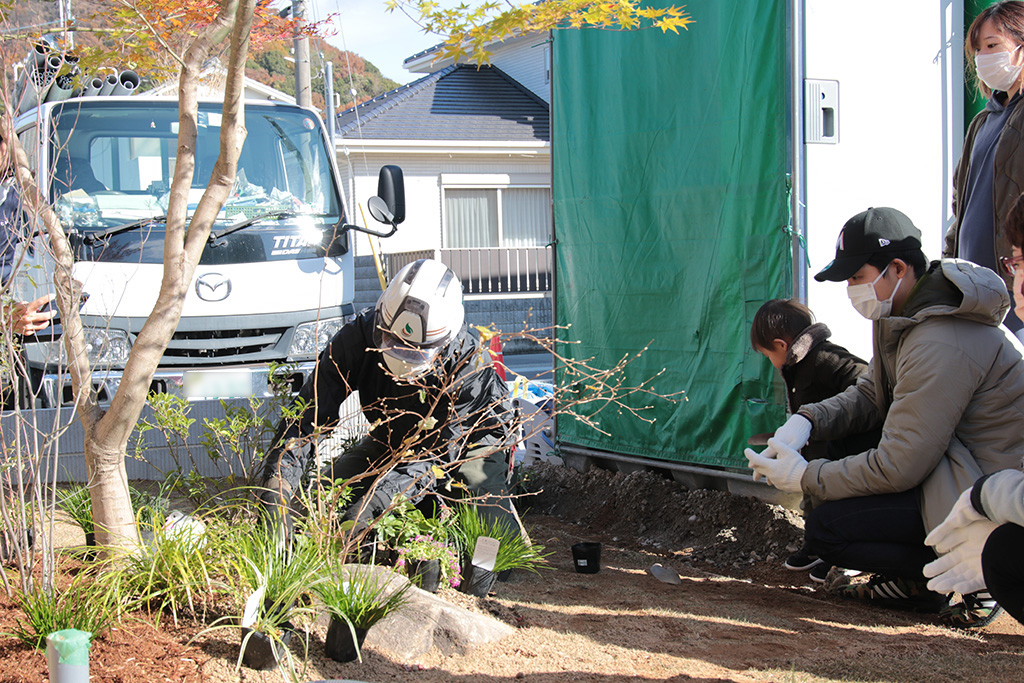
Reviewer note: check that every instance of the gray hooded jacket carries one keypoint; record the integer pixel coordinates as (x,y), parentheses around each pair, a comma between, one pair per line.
(947,380)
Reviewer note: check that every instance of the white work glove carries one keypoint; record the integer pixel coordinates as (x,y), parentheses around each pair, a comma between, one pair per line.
(768,452)
(783,470)
(962,514)
(959,568)
(794,433)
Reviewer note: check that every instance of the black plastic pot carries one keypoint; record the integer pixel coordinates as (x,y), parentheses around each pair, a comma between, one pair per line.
(263,652)
(587,557)
(426,574)
(339,645)
(91,550)
(476,581)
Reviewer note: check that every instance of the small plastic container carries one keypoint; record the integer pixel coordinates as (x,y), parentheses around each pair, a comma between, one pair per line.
(587,557)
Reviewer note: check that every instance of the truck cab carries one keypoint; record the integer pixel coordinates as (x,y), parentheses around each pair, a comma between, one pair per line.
(273,285)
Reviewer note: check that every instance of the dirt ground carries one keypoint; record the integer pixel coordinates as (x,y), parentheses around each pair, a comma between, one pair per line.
(736,616)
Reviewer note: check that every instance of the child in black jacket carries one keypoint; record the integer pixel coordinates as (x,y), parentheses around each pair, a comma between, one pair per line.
(813,369)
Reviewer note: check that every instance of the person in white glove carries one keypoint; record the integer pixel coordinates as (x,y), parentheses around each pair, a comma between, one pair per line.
(813,368)
(981,544)
(940,351)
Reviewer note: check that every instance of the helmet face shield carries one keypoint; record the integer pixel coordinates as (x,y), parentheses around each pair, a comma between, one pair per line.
(404,360)
(418,314)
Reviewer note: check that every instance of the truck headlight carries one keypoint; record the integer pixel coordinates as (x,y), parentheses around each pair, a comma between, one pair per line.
(311,338)
(106,346)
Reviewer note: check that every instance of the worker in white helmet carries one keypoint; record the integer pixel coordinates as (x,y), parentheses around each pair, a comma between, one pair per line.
(427,401)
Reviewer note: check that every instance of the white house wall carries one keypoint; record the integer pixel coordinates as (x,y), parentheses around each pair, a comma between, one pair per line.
(422,172)
(527,59)
(900,72)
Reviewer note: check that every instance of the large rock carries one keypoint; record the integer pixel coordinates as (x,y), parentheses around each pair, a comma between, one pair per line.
(428,622)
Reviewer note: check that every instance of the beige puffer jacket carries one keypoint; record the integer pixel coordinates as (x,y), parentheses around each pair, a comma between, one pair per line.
(948,380)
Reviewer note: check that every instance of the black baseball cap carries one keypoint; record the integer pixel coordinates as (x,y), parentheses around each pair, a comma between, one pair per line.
(875,231)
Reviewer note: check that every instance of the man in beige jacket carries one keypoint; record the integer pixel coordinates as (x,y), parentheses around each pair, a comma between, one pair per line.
(947,384)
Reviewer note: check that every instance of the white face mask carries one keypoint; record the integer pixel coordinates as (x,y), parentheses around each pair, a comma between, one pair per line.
(996,71)
(865,300)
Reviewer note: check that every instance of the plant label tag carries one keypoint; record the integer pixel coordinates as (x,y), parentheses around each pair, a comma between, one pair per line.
(252,606)
(486,552)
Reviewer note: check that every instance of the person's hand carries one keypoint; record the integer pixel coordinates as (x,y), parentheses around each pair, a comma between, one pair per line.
(961,515)
(795,432)
(768,452)
(959,568)
(27,319)
(783,471)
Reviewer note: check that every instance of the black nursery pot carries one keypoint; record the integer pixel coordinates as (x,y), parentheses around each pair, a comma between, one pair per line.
(263,652)
(476,581)
(426,574)
(339,645)
(587,557)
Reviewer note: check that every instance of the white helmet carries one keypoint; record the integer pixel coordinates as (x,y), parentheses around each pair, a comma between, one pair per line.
(417,315)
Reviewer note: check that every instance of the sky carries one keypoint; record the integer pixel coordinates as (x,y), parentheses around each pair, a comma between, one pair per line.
(365,28)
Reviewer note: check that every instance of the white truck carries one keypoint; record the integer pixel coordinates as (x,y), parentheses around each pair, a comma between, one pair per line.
(274,283)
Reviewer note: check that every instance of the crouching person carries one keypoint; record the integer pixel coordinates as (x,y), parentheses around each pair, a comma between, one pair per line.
(981,542)
(428,403)
(947,385)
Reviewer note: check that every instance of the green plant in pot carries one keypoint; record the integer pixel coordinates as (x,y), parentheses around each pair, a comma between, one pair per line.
(270,580)
(428,562)
(357,597)
(514,550)
(404,521)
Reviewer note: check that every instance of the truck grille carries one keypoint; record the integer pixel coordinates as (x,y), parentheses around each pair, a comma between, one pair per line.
(213,344)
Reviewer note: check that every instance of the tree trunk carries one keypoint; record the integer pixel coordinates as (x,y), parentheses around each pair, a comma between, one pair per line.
(107,434)
(183,245)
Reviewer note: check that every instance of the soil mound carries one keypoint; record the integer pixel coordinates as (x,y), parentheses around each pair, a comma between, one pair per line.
(701,526)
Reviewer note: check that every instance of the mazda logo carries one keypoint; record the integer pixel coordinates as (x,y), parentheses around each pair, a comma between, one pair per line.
(213,287)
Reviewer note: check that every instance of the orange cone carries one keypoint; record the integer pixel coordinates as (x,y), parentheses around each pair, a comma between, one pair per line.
(496,356)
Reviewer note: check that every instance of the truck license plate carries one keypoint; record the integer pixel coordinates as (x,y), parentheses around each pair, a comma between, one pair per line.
(198,384)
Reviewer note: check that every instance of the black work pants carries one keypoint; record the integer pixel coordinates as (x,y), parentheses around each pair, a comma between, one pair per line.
(1002,562)
(882,534)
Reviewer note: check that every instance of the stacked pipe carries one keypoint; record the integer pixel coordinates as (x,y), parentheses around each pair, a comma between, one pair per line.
(50,76)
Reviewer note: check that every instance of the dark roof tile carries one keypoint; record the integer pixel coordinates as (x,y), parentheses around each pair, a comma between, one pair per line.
(459,102)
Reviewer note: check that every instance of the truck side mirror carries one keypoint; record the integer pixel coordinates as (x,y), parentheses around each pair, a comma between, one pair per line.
(391,188)
(388,206)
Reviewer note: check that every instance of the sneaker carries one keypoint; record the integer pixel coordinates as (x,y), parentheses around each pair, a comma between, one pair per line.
(801,561)
(819,572)
(900,593)
(975,610)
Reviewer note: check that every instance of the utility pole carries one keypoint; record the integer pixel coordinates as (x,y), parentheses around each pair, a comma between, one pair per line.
(303,95)
(329,97)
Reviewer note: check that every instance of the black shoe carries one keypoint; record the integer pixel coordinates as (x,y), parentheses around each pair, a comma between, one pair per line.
(819,572)
(801,561)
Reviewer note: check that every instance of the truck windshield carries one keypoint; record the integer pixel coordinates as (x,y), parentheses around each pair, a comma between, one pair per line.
(112,164)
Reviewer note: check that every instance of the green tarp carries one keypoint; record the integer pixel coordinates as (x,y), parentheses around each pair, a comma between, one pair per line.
(669,162)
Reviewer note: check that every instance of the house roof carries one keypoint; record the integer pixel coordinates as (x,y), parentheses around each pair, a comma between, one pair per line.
(459,102)
(211,84)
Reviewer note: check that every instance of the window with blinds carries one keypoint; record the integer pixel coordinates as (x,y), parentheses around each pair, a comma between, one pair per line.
(497,217)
